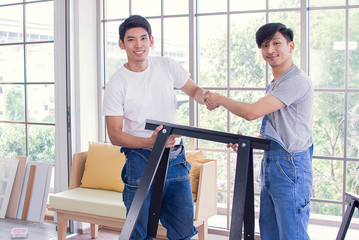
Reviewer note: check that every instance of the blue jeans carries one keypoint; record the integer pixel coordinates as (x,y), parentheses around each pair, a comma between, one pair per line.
(176,213)
(286,185)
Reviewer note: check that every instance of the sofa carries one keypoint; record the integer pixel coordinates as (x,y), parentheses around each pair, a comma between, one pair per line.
(95,191)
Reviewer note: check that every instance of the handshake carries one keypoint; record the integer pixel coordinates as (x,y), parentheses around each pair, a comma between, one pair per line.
(211,100)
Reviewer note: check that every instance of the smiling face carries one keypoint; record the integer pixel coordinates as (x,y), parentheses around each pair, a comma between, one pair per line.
(137,45)
(278,52)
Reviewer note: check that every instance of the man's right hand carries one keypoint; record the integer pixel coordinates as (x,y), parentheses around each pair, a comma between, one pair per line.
(171,139)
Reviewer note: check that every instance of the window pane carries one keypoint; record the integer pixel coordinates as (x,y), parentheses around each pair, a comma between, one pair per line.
(207,6)
(236,5)
(172,7)
(12,140)
(12,104)
(11,63)
(11,24)
(156,32)
(292,21)
(327,180)
(41,106)
(216,120)
(221,159)
(284,3)
(330,209)
(39,21)
(353,177)
(42,143)
(353,125)
(40,62)
(182,107)
(146,8)
(212,34)
(328,127)
(247,64)
(176,45)
(116,9)
(353,2)
(321,3)
(3,2)
(326,62)
(220,219)
(353,45)
(115,57)
(250,128)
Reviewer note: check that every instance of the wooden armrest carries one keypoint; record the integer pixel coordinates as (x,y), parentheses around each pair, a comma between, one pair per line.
(77,169)
(206,205)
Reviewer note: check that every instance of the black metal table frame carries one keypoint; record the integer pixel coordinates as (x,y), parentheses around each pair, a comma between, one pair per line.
(156,170)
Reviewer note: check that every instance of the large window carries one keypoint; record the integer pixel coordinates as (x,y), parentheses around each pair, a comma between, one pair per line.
(27,109)
(214,40)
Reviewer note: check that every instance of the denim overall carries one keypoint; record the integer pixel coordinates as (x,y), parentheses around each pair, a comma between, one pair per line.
(286,184)
(176,213)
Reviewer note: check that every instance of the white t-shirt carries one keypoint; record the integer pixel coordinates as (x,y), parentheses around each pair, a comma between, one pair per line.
(138,96)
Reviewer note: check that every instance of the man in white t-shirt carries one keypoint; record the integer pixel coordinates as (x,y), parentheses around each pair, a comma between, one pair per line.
(141,89)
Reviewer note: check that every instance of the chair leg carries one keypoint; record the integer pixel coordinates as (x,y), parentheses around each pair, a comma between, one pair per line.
(203,231)
(94,230)
(61,226)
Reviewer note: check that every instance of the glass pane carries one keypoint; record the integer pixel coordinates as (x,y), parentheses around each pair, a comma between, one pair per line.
(353,48)
(236,5)
(42,143)
(353,177)
(146,8)
(182,108)
(12,103)
(11,63)
(327,180)
(353,125)
(12,140)
(212,56)
(321,3)
(220,219)
(115,9)
(328,126)
(173,7)
(221,159)
(115,57)
(4,2)
(353,2)
(40,62)
(247,64)
(207,6)
(216,120)
(250,128)
(41,105)
(11,24)
(176,45)
(284,3)
(39,21)
(156,32)
(330,209)
(326,62)
(292,21)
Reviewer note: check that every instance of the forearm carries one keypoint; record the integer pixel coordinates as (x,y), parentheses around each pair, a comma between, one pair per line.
(199,95)
(241,109)
(127,140)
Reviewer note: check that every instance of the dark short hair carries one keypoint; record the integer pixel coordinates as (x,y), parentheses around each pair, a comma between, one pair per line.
(134,21)
(267,31)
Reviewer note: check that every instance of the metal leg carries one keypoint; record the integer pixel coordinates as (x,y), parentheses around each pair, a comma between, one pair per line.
(145,183)
(249,217)
(240,189)
(346,220)
(156,200)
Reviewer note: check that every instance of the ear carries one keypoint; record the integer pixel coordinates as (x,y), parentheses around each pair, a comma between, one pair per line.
(152,40)
(291,47)
(120,43)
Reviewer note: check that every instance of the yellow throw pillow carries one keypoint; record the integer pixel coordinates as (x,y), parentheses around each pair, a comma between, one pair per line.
(103,167)
(195,158)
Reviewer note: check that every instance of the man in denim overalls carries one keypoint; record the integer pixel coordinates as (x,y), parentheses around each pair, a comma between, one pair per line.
(287,107)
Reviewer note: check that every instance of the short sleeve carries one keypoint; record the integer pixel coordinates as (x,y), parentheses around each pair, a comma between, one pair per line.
(113,101)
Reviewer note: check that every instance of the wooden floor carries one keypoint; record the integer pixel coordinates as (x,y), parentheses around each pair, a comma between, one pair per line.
(45,231)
